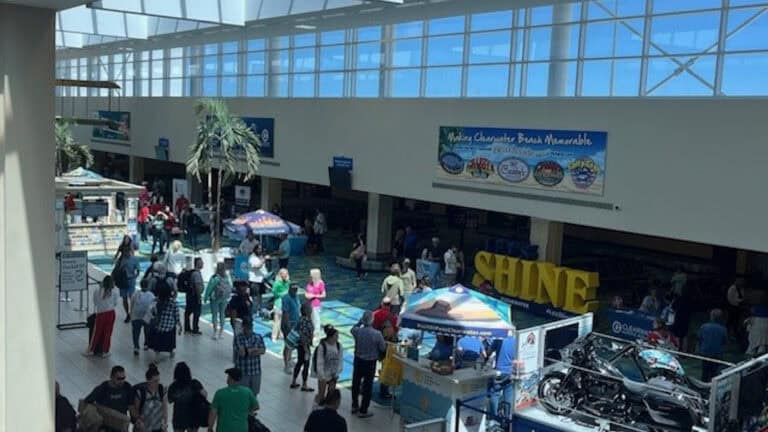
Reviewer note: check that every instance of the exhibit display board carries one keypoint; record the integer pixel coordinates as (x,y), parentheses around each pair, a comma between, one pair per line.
(739,398)
(550,160)
(73,271)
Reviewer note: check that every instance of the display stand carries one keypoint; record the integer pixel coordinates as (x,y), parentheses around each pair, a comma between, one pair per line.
(73,277)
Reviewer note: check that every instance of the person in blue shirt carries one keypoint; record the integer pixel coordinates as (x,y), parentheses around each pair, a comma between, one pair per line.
(470,350)
(712,339)
(500,386)
(443,349)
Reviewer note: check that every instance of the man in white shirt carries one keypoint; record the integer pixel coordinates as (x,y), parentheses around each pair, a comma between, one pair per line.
(256,272)
(451,265)
(392,287)
(248,244)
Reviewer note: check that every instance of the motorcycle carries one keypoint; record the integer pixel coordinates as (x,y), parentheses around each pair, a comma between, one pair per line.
(588,387)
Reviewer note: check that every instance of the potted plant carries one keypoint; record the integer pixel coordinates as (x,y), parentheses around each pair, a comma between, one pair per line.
(224,143)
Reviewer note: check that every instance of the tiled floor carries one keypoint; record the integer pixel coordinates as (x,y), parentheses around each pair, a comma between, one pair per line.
(282,409)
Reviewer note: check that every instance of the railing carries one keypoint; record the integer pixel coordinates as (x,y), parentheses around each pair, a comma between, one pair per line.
(436,424)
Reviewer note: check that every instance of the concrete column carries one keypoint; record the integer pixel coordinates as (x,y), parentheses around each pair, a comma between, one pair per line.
(136,169)
(271,193)
(559,47)
(379,226)
(273,67)
(28,297)
(548,236)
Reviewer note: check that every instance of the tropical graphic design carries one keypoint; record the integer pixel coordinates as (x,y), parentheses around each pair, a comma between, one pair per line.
(458,311)
(563,161)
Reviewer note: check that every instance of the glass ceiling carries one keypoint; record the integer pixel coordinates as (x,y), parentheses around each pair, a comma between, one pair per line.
(112,20)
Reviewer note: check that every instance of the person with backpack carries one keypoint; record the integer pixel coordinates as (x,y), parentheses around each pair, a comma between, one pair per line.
(327,363)
(150,408)
(217,294)
(142,302)
(165,321)
(306,331)
(248,347)
(189,399)
(124,275)
(190,282)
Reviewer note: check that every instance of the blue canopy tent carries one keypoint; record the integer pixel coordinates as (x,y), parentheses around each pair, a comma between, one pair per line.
(260,223)
(458,311)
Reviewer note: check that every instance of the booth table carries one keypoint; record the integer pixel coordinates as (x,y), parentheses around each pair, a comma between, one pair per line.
(427,395)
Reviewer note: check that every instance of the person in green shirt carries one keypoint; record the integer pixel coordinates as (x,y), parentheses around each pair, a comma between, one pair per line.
(279,289)
(232,405)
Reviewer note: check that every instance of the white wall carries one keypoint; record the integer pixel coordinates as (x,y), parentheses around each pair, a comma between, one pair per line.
(683,169)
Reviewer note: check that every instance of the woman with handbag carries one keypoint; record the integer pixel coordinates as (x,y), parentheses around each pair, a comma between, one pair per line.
(105,302)
(189,398)
(305,331)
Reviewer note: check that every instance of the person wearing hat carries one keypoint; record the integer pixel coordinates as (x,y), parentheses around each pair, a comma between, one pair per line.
(248,347)
(231,405)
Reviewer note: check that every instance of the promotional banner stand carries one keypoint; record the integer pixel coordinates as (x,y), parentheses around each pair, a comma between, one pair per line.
(73,276)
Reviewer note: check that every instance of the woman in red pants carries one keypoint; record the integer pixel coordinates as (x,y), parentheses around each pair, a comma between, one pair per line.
(105,301)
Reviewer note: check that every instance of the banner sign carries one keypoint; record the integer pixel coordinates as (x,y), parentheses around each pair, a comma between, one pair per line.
(542,310)
(629,324)
(73,271)
(342,162)
(243,196)
(429,269)
(118,129)
(264,128)
(553,160)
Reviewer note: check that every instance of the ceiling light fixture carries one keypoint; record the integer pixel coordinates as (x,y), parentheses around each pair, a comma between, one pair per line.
(305,27)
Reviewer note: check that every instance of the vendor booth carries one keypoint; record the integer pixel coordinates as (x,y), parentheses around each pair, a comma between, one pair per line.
(93,213)
(432,385)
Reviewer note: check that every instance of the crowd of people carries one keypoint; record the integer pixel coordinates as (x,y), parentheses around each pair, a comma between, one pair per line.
(742,318)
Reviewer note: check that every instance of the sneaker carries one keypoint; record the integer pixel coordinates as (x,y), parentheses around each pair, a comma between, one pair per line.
(88,354)
(363,415)
(105,355)
(136,352)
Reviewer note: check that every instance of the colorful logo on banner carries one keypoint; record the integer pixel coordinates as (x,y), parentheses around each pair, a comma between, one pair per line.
(537,281)
(563,161)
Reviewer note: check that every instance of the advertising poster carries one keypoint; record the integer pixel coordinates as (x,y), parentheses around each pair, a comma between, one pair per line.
(118,128)
(264,128)
(528,344)
(243,196)
(553,160)
(241,267)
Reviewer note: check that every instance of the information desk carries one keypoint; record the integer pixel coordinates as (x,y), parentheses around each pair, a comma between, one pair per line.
(427,395)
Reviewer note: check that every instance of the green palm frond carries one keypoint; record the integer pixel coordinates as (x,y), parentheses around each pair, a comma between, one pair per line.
(69,153)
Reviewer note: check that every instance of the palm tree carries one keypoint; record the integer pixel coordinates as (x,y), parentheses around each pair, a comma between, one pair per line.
(225,143)
(69,153)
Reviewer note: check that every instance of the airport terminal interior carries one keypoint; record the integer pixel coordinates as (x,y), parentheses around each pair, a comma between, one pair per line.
(383,215)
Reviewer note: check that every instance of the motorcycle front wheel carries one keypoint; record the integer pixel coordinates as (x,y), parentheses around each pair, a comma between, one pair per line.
(556,400)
